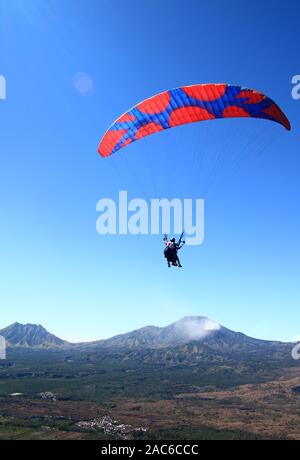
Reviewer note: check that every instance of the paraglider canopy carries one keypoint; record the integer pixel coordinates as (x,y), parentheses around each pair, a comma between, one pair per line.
(188,104)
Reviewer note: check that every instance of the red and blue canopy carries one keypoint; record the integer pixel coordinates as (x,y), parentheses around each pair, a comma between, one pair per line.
(188,104)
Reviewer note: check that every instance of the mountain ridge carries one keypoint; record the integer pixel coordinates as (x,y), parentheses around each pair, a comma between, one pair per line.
(30,336)
(189,329)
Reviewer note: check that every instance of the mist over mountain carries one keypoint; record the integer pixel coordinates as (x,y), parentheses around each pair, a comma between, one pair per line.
(183,331)
(191,341)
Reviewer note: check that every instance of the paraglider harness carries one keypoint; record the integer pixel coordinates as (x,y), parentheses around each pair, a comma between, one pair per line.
(171,249)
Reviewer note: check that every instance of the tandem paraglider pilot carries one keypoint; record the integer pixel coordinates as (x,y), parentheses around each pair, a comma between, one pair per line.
(171,250)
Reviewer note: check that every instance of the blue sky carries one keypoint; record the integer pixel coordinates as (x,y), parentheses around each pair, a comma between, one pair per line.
(55,269)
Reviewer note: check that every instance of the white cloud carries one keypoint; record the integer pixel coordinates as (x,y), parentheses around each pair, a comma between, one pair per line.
(195,328)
